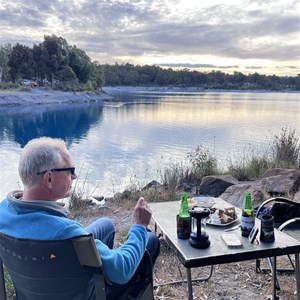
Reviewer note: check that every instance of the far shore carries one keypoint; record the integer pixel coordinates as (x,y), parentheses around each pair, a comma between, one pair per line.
(40,96)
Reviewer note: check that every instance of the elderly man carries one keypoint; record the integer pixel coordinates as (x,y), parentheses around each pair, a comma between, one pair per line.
(47,172)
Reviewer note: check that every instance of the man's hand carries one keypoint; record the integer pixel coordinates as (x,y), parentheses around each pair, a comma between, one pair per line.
(141,213)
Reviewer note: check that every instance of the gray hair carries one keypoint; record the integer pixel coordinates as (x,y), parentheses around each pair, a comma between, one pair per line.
(39,155)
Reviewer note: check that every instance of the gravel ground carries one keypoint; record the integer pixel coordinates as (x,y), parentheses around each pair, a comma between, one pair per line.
(235,281)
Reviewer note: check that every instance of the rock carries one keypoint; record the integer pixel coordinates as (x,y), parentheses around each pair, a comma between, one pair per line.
(297,197)
(152,185)
(216,185)
(279,171)
(281,182)
(186,187)
(235,194)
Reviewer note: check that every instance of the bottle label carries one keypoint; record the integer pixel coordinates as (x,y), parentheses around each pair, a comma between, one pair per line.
(183,227)
(247,223)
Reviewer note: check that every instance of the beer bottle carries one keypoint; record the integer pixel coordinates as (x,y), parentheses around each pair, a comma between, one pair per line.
(183,219)
(248,218)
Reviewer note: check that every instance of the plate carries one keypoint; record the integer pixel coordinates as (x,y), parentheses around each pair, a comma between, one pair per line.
(209,221)
(192,203)
(205,201)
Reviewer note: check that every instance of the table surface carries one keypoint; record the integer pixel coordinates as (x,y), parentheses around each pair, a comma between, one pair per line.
(164,216)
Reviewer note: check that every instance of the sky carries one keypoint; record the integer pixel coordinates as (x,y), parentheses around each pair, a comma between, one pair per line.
(234,35)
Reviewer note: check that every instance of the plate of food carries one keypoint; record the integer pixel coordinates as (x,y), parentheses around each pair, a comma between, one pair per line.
(223,217)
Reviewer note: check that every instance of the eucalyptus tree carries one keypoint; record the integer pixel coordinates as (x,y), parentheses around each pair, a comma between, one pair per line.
(4,54)
(81,64)
(55,55)
(39,63)
(97,75)
(20,62)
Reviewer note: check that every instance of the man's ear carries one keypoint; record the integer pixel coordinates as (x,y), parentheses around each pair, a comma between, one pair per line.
(47,178)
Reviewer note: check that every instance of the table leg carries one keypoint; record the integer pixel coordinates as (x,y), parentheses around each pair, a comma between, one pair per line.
(297,274)
(189,282)
(274,278)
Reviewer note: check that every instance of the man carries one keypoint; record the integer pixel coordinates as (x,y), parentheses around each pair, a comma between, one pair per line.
(47,172)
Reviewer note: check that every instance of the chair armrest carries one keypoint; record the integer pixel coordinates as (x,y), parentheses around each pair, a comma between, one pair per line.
(291,221)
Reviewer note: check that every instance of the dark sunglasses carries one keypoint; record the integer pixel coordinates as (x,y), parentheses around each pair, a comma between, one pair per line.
(71,170)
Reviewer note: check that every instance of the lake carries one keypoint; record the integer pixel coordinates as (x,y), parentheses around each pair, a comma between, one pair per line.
(131,140)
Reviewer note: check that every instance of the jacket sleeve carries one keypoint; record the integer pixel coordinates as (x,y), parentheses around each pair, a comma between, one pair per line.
(120,264)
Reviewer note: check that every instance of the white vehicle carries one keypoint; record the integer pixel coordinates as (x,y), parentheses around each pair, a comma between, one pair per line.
(26,82)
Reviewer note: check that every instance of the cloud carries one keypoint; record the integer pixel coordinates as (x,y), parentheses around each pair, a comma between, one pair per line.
(137,30)
(198,66)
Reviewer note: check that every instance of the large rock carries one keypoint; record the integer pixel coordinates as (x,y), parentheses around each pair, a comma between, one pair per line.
(216,185)
(280,171)
(281,182)
(235,194)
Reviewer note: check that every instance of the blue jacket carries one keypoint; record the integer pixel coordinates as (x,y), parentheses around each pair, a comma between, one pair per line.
(45,220)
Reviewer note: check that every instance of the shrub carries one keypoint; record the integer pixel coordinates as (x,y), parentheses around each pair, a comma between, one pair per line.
(284,153)
(286,149)
(8,85)
(249,168)
(202,163)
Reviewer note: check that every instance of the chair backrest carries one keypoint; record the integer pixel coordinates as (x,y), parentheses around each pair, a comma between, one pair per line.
(69,269)
(283,209)
(59,269)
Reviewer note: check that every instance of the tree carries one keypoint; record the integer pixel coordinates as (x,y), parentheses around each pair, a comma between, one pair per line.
(5,51)
(20,62)
(80,63)
(39,64)
(97,76)
(55,51)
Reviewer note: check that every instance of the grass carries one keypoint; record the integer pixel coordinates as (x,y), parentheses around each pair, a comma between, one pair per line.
(9,287)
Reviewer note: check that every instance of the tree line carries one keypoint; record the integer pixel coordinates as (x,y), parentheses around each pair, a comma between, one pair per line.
(55,60)
(128,74)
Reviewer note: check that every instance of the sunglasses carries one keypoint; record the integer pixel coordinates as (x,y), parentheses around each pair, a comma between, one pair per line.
(71,170)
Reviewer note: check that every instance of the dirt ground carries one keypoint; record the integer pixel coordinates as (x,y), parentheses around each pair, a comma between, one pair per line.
(234,281)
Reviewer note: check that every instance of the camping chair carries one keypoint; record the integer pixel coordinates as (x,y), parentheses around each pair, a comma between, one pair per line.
(65,269)
(286,215)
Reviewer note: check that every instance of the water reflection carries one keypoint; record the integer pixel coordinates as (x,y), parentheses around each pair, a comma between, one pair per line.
(69,122)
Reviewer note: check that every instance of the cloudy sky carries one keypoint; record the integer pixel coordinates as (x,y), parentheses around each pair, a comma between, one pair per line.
(247,36)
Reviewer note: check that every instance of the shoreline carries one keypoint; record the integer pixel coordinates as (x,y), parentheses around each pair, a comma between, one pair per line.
(41,96)
(122,89)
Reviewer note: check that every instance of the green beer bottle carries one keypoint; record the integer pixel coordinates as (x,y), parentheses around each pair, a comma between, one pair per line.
(183,219)
(248,218)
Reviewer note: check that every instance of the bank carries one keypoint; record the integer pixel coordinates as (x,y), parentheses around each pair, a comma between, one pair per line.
(41,96)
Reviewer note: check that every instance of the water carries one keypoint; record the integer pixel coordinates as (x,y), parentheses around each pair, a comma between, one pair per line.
(130,141)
